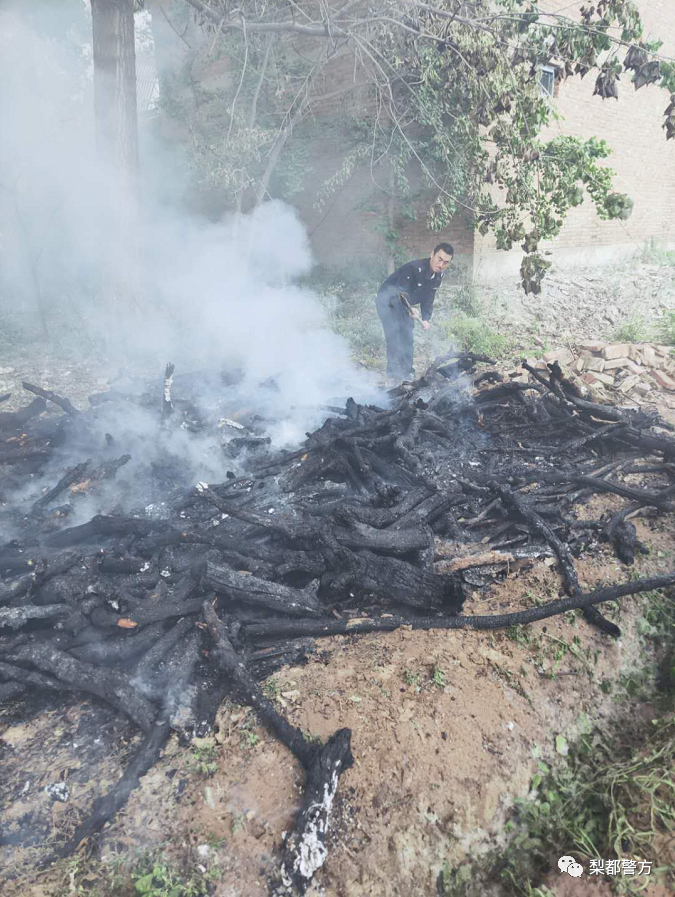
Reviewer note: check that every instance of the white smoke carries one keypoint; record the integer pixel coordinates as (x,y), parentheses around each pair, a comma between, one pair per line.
(213,295)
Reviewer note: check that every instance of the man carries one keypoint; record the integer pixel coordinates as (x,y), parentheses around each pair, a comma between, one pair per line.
(418,281)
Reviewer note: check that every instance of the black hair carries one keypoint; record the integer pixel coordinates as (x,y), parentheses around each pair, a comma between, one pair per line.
(446,247)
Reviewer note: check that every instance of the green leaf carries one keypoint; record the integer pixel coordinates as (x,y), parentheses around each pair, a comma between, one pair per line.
(144,885)
(561,745)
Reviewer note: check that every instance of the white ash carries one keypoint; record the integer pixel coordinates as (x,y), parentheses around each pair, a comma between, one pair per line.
(58,791)
(310,851)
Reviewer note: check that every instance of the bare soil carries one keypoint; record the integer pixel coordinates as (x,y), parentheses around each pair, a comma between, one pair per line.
(588,303)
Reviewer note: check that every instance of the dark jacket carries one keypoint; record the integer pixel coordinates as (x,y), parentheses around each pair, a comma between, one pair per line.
(417,281)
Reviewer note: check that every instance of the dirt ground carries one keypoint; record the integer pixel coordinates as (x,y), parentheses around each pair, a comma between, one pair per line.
(448,728)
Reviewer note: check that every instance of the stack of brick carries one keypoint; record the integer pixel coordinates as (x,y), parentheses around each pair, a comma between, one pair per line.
(634,369)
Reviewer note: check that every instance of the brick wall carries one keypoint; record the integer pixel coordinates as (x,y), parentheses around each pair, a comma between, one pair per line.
(643,160)
(352,225)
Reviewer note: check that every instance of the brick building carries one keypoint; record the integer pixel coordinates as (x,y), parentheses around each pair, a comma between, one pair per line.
(643,160)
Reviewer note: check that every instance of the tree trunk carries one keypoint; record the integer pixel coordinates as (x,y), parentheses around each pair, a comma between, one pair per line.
(391,220)
(117,144)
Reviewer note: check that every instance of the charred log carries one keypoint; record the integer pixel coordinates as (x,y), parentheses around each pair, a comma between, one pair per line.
(251,590)
(50,396)
(389,623)
(10,420)
(248,691)
(112,686)
(305,849)
(592,614)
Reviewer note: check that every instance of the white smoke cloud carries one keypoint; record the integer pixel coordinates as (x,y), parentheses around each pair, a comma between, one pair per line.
(212,295)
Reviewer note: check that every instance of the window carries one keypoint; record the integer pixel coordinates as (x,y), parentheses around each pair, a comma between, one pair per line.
(547,80)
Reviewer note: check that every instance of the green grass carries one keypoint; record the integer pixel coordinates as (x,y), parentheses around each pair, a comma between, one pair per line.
(610,800)
(476,335)
(633,330)
(438,677)
(146,873)
(204,759)
(157,878)
(665,328)
(413,679)
(653,253)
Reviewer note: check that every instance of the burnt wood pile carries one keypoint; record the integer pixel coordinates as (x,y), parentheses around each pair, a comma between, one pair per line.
(386,516)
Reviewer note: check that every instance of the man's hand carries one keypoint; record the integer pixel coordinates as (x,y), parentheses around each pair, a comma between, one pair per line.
(426,325)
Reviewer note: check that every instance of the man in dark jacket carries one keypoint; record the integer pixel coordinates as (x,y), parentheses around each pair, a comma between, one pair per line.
(418,281)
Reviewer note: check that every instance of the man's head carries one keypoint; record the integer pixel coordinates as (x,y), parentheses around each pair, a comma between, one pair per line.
(441,257)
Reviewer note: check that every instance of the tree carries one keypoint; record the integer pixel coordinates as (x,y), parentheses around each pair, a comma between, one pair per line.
(117,145)
(450,88)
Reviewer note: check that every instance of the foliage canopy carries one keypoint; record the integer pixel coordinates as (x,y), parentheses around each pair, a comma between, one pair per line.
(449,90)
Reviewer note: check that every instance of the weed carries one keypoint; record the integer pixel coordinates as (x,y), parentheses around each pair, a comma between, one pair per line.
(519,634)
(157,878)
(74,871)
(476,335)
(272,689)
(438,677)
(512,680)
(639,683)
(564,647)
(204,759)
(352,315)
(238,823)
(653,253)
(249,738)
(214,841)
(456,882)
(535,600)
(666,328)
(413,679)
(466,299)
(633,330)
(606,800)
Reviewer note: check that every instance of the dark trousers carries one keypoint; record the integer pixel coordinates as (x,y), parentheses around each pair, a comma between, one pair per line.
(398,334)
